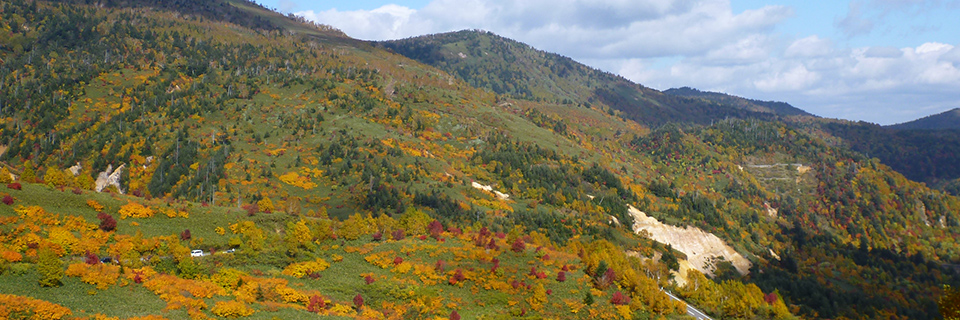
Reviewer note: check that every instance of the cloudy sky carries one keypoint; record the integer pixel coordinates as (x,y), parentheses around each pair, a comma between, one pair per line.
(882,61)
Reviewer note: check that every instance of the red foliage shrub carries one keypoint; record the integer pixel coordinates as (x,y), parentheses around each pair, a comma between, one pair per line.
(422,237)
(7,200)
(561,276)
(378,236)
(251,209)
(549,291)
(185,235)
(770,298)
(399,234)
(457,277)
(492,245)
(91,258)
(518,245)
(435,228)
(137,193)
(358,301)
(515,284)
(546,257)
(454,315)
(454,231)
(369,279)
(107,222)
(501,235)
(77,191)
(137,278)
(565,268)
(533,271)
(397,260)
(619,299)
(440,266)
(316,304)
(484,232)
(14,186)
(610,276)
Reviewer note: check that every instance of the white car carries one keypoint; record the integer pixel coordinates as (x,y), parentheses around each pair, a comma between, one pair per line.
(196,253)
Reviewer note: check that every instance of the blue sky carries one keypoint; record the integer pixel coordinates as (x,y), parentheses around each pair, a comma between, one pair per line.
(882,61)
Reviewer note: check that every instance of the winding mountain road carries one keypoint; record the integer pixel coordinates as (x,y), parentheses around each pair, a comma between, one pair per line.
(691,311)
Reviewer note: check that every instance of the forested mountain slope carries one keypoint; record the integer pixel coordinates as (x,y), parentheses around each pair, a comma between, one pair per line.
(946,120)
(356,182)
(781,108)
(923,150)
(511,68)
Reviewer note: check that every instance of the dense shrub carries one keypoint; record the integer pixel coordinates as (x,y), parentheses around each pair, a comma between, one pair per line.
(358,301)
(107,222)
(49,268)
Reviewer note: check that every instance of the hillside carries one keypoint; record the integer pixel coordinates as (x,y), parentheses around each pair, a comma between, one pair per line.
(324,160)
(947,120)
(777,107)
(927,156)
(514,69)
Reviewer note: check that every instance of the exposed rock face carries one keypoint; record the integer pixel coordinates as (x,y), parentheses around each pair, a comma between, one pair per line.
(75,169)
(500,195)
(701,247)
(110,177)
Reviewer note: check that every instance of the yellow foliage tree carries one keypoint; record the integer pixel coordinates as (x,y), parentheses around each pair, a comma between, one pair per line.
(231,309)
(54,177)
(538,298)
(298,235)
(135,210)
(254,238)
(414,221)
(266,205)
(303,269)
(354,227)
(5,175)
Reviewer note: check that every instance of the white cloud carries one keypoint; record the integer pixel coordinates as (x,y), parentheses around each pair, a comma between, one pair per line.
(854,23)
(703,44)
(795,79)
(585,29)
(809,47)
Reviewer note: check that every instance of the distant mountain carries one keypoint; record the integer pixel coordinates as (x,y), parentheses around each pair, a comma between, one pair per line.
(777,107)
(946,120)
(508,67)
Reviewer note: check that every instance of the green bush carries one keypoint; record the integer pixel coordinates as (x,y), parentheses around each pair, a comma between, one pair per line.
(49,268)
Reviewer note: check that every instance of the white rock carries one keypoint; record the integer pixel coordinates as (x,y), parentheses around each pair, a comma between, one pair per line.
(110,177)
(701,247)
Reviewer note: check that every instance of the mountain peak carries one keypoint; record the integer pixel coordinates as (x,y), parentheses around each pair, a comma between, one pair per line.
(949,119)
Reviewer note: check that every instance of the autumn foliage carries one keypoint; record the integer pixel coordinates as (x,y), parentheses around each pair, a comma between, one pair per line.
(135,210)
(11,305)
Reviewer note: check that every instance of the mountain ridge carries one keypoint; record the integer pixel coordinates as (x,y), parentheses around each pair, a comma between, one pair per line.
(947,120)
(777,107)
(512,68)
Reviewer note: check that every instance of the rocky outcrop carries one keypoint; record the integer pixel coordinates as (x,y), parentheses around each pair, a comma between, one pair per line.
(110,177)
(500,195)
(702,248)
(75,169)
